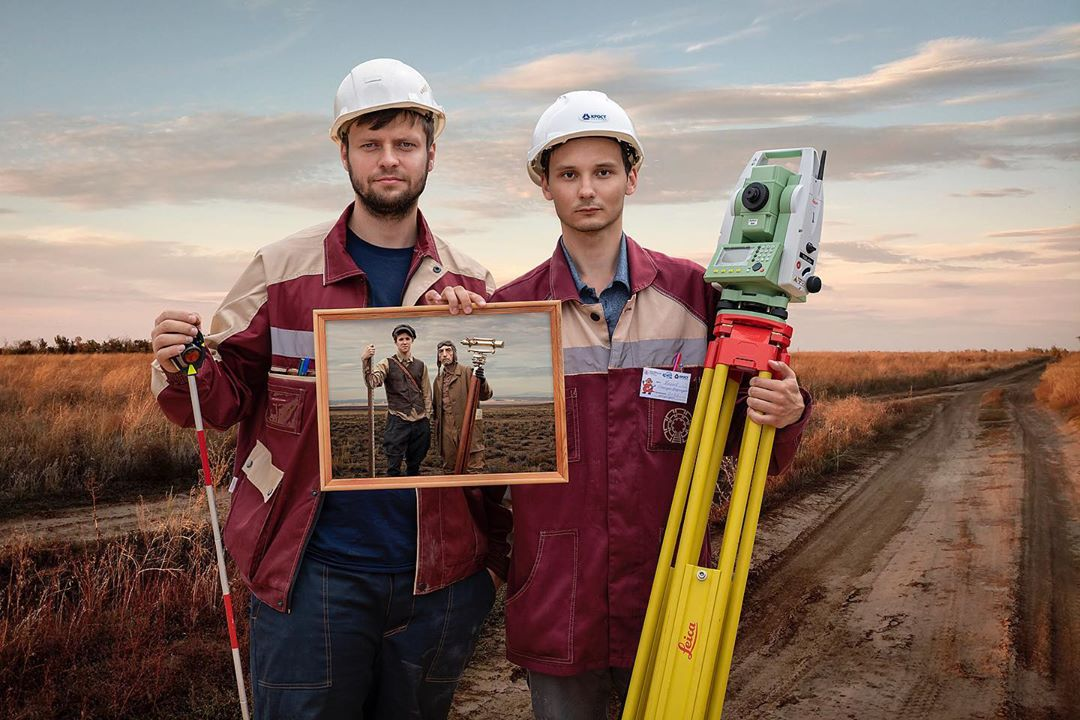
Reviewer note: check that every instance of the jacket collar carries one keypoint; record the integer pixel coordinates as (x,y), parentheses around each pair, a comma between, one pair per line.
(454,372)
(339,264)
(642,271)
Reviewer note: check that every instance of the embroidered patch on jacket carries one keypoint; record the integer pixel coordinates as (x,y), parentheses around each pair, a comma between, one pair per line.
(677,425)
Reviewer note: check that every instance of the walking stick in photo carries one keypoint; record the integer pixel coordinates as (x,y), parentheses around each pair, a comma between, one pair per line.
(189,361)
(480,348)
(371,427)
(765,259)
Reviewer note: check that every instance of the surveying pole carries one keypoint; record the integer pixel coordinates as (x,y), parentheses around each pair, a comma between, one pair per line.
(189,361)
(765,259)
(480,348)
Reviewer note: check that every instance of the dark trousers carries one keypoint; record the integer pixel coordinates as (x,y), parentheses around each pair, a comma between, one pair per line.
(405,440)
(585,696)
(361,646)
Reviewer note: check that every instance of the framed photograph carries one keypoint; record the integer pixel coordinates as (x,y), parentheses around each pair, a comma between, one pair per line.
(416,397)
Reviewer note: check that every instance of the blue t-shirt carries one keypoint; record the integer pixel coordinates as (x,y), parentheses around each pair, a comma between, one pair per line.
(370,530)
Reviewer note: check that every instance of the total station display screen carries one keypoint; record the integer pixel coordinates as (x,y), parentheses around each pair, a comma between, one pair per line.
(735,256)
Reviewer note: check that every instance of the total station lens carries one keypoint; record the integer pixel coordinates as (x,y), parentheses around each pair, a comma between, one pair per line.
(755,196)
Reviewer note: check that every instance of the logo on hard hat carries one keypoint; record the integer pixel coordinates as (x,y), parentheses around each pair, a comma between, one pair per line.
(593,117)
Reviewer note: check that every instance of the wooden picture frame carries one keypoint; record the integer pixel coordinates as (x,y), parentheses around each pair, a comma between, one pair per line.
(517,412)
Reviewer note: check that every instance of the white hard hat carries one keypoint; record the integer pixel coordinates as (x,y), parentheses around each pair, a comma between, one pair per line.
(582,113)
(379,85)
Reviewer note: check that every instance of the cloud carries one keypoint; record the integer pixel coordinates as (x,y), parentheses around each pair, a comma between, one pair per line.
(1003,192)
(848,38)
(695,139)
(90,163)
(865,252)
(1021,256)
(6,211)
(1065,237)
(757,27)
(1046,232)
(939,70)
(80,265)
(702,165)
(942,70)
(557,73)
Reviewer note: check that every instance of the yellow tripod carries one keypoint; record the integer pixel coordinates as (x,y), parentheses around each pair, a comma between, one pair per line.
(684,655)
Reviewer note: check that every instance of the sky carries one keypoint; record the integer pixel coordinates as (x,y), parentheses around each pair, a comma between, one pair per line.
(521,369)
(147,150)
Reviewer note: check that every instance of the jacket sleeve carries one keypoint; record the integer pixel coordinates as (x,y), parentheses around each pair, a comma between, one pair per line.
(234,374)
(375,377)
(426,391)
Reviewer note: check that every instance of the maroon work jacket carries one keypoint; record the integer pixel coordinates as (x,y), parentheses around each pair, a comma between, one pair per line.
(258,336)
(585,553)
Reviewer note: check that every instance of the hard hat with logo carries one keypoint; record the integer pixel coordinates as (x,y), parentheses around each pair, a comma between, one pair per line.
(582,113)
(380,85)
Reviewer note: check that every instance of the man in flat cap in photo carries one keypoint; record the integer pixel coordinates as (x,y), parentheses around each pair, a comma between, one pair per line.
(408,397)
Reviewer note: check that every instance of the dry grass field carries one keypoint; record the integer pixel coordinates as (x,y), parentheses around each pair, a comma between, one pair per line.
(132,628)
(78,428)
(517,439)
(835,374)
(1059,387)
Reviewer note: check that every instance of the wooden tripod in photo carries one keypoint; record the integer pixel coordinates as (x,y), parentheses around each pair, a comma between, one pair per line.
(480,349)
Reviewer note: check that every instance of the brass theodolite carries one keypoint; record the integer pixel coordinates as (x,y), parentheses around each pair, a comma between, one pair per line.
(480,348)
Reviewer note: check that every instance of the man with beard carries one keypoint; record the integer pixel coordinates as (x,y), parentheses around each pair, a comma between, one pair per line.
(362,603)
(450,394)
(585,553)
(408,433)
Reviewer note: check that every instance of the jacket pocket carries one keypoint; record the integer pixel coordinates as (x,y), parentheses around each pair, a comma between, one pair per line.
(250,509)
(261,471)
(540,613)
(285,404)
(573,432)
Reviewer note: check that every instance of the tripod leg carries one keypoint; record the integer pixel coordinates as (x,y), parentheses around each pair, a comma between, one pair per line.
(686,580)
(742,570)
(737,507)
(465,438)
(643,663)
(695,527)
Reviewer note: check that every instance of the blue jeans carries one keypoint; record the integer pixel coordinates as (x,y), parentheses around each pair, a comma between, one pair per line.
(359,646)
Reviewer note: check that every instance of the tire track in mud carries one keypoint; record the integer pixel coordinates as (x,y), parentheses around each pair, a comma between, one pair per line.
(945,586)
(1046,623)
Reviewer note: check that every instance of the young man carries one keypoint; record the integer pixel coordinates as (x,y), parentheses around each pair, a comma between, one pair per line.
(585,553)
(451,393)
(362,602)
(408,432)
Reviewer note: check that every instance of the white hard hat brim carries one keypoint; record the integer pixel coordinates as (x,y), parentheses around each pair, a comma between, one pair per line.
(535,154)
(438,115)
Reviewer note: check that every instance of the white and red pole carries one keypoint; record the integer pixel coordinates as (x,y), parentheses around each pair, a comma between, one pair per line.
(208,483)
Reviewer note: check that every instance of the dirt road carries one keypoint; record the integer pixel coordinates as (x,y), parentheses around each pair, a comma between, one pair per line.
(945,584)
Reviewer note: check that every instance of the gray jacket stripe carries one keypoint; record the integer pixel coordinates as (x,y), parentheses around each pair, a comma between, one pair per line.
(292,343)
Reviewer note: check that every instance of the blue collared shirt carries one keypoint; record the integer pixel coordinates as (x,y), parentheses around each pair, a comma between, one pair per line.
(613,298)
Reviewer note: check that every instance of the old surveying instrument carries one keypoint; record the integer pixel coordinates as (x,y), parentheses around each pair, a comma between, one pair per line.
(480,349)
(765,259)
